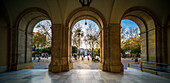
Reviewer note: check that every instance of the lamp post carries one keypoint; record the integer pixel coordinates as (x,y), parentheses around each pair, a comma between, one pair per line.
(85,22)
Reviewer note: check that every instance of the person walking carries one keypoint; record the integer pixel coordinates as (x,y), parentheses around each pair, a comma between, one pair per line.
(88,58)
(46,55)
(82,58)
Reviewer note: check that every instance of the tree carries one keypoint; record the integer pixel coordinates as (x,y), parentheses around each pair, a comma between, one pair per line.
(85,41)
(136,50)
(46,50)
(93,37)
(44,29)
(122,51)
(74,49)
(77,36)
(130,38)
(39,39)
(97,51)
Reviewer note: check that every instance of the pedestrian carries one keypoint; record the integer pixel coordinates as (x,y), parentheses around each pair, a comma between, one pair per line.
(46,55)
(82,58)
(34,56)
(139,59)
(136,59)
(38,57)
(75,56)
(88,58)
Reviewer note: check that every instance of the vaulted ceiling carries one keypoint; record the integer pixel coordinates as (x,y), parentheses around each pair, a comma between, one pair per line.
(112,10)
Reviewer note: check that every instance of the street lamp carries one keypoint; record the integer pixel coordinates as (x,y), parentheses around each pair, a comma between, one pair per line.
(85,22)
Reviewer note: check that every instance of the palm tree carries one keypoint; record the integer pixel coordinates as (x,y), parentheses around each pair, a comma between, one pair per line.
(85,41)
(78,34)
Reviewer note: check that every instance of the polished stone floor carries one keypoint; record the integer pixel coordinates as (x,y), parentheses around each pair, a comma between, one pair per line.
(79,76)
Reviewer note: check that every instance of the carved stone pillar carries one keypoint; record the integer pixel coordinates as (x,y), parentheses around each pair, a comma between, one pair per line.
(111,59)
(59,58)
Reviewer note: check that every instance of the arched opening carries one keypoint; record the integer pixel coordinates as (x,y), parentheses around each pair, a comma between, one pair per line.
(41,44)
(149,33)
(22,57)
(86,13)
(85,45)
(130,44)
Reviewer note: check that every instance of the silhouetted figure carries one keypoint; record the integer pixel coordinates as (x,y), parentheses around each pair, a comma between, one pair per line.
(75,56)
(46,55)
(88,58)
(82,58)
(34,56)
(38,57)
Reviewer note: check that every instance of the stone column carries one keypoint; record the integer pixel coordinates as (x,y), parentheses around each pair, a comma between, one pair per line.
(115,49)
(69,46)
(152,45)
(144,46)
(166,44)
(111,59)
(104,64)
(159,45)
(59,58)
(28,52)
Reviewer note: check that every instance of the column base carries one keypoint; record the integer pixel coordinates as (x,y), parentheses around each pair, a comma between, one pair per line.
(60,68)
(111,68)
(3,69)
(29,65)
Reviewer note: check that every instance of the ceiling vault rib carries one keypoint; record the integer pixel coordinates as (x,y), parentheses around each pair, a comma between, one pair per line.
(111,11)
(48,7)
(62,21)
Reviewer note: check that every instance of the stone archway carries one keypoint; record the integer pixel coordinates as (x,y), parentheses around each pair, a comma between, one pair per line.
(150,33)
(85,13)
(22,37)
(61,42)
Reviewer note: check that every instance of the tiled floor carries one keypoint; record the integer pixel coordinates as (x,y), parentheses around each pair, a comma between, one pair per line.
(79,76)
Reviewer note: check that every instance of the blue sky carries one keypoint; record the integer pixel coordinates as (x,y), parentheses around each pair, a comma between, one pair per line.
(128,23)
